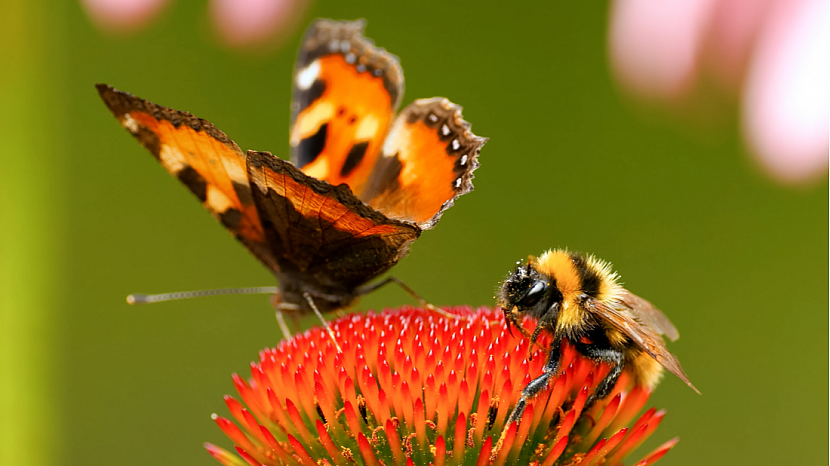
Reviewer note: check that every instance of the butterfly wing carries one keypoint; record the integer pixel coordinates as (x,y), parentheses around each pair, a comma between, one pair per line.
(320,232)
(346,92)
(426,163)
(200,156)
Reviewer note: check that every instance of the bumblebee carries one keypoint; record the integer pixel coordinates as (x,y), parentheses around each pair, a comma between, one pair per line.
(578,298)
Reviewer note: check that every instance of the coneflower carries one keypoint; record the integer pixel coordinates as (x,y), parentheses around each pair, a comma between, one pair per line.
(413,387)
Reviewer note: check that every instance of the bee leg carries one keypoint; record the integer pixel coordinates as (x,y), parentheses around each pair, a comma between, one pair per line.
(538,384)
(547,321)
(603,354)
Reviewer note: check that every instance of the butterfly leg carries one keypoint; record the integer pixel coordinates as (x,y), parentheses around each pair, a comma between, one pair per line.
(280,309)
(313,306)
(286,333)
(423,302)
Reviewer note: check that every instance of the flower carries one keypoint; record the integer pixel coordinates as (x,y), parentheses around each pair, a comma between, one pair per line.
(771,53)
(124,16)
(239,23)
(413,387)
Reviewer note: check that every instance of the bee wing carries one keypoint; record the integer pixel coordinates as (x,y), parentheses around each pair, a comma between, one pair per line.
(642,336)
(649,315)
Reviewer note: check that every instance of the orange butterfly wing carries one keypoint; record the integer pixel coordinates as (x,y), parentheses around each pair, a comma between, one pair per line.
(200,156)
(326,240)
(427,162)
(368,185)
(346,92)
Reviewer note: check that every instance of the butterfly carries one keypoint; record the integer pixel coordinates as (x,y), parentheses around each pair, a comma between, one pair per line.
(361,184)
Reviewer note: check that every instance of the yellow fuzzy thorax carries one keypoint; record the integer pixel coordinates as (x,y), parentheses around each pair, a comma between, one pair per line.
(561,266)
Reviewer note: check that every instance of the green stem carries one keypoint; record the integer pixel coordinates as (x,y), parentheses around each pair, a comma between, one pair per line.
(31,151)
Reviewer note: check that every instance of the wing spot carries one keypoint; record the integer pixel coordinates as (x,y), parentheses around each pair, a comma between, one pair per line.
(353,119)
(308,75)
(458,183)
(455,144)
(130,123)
(345,46)
(464,160)
(310,147)
(243,192)
(194,181)
(356,154)
(361,68)
(350,58)
(432,118)
(378,72)
(231,219)
(445,130)
(315,91)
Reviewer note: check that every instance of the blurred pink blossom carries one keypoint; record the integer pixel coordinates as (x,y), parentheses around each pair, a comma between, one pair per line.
(122,16)
(239,23)
(772,54)
(250,22)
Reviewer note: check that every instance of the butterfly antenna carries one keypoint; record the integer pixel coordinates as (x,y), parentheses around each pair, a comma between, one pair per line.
(157,298)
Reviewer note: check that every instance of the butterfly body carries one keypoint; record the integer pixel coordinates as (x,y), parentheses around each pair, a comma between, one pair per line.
(362,183)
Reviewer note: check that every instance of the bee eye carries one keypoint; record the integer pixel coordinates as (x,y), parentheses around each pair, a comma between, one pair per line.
(533,295)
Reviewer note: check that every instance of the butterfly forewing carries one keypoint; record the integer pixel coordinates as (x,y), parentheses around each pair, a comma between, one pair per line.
(200,156)
(346,92)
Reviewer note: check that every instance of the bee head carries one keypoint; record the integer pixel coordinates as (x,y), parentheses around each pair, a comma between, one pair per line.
(527,291)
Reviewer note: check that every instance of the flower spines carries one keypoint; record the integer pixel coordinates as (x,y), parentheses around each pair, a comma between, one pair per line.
(413,387)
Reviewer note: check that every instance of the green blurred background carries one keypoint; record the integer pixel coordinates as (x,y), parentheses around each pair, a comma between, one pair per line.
(738,262)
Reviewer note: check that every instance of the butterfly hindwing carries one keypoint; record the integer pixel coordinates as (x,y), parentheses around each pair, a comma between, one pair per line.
(427,162)
(321,231)
(346,92)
